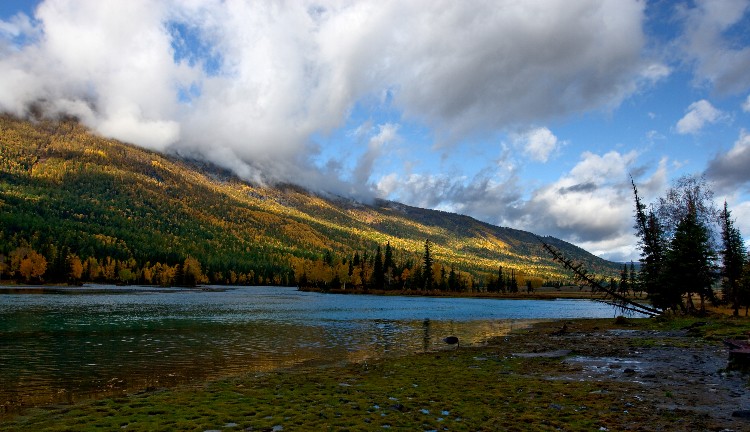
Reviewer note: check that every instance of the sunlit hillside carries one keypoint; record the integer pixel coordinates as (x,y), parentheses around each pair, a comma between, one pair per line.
(66,192)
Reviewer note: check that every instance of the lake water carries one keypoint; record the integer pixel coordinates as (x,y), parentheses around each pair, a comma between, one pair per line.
(76,343)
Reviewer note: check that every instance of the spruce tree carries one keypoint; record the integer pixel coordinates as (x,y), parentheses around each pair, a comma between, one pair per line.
(427,264)
(733,261)
(690,264)
(513,282)
(624,280)
(652,242)
(501,285)
(452,280)
(378,278)
(388,265)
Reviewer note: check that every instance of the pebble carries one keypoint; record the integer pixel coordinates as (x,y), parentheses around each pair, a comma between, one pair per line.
(397,407)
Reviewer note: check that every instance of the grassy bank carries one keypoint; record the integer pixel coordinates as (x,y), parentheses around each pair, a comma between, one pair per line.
(535,379)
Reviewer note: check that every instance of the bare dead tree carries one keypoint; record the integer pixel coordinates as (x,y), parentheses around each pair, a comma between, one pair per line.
(583,277)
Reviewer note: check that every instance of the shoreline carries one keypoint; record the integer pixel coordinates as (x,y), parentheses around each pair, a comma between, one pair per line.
(539,294)
(545,293)
(583,374)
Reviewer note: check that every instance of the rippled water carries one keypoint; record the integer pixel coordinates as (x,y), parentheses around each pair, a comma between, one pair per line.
(103,340)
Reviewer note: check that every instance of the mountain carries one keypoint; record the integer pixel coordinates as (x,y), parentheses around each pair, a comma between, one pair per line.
(121,210)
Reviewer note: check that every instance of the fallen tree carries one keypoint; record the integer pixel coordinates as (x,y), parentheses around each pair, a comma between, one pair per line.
(609,295)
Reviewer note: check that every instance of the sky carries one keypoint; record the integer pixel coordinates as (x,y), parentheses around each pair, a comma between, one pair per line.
(528,114)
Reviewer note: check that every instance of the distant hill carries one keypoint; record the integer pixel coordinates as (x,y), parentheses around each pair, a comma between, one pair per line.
(70,195)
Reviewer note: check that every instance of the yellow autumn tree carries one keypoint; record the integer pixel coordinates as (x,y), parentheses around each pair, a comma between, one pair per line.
(32,265)
(163,274)
(75,268)
(192,272)
(92,269)
(3,266)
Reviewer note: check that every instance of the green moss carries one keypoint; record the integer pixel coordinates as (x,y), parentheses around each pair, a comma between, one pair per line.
(485,388)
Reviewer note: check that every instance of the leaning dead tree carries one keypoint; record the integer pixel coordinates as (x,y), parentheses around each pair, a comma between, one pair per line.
(610,296)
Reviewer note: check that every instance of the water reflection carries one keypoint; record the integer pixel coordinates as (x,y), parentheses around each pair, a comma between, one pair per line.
(61,348)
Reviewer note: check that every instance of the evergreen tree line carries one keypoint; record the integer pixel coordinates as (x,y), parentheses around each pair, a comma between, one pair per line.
(383,271)
(380,270)
(505,282)
(683,257)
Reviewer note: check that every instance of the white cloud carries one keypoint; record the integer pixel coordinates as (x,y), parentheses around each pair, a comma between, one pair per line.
(590,202)
(653,135)
(746,104)
(656,71)
(729,171)
(591,205)
(386,133)
(246,84)
(537,143)
(719,59)
(18,25)
(698,115)
(109,63)
(741,214)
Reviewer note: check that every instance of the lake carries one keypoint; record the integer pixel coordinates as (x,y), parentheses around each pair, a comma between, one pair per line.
(67,344)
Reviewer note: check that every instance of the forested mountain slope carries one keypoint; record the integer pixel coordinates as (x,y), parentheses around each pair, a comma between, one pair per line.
(125,214)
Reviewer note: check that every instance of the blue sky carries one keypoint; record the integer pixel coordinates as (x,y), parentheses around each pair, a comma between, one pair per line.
(532,114)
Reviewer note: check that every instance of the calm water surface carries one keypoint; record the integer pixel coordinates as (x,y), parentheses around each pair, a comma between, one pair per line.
(104,340)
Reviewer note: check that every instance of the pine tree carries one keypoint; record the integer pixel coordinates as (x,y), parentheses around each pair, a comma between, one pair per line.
(513,282)
(745,286)
(388,265)
(652,243)
(689,264)
(179,276)
(452,280)
(501,285)
(443,284)
(624,280)
(378,278)
(429,278)
(733,261)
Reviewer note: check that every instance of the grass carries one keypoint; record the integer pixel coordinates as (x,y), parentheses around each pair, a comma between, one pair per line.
(447,390)
(474,388)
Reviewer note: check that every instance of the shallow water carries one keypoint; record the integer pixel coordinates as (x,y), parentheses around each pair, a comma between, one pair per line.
(69,344)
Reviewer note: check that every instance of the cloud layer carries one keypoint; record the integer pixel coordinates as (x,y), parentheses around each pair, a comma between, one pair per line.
(253,85)
(731,169)
(246,84)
